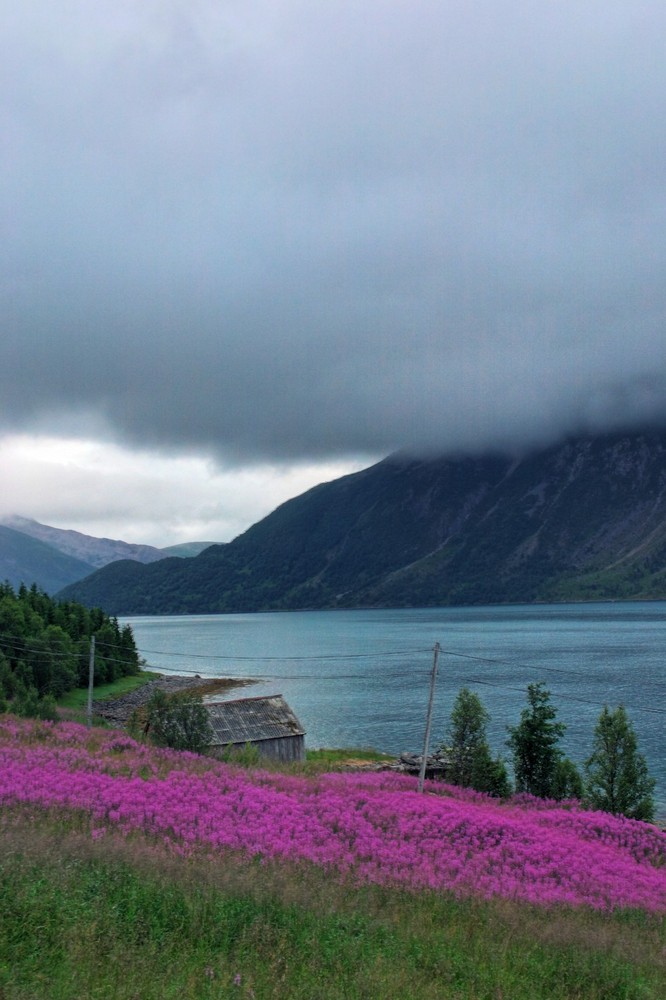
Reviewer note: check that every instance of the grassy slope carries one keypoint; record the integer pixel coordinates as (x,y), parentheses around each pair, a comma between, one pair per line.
(128,920)
(124,918)
(78,697)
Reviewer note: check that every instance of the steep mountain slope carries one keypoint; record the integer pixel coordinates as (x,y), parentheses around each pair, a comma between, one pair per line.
(586,518)
(27,560)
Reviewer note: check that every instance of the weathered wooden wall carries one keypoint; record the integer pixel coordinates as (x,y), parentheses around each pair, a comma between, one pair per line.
(285,749)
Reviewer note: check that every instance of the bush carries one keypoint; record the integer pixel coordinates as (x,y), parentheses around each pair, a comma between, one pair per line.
(567,782)
(245,756)
(180,722)
(29,705)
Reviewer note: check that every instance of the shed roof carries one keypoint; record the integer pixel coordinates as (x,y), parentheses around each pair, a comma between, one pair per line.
(248,720)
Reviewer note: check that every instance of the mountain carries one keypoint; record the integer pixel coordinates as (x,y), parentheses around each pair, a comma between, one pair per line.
(95,551)
(31,552)
(27,560)
(583,519)
(185,549)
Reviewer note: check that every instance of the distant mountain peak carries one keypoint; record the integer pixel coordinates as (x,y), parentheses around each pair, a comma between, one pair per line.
(28,560)
(56,557)
(97,552)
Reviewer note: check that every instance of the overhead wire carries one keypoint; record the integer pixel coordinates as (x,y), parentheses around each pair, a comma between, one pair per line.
(565,697)
(283,659)
(9,641)
(468,656)
(19,645)
(514,663)
(530,666)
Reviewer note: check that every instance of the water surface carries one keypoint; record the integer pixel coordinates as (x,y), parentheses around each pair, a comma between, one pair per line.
(361,678)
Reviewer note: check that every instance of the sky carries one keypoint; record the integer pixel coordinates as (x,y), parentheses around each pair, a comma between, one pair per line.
(252,245)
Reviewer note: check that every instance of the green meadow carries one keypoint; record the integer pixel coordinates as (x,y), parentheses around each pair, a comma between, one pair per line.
(124,919)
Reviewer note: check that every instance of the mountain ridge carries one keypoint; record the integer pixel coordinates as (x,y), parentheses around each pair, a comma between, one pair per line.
(28,560)
(582,519)
(52,558)
(98,552)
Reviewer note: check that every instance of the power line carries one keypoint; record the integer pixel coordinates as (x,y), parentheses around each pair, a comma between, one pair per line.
(19,647)
(324,677)
(18,644)
(278,677)
(565,697)
(515,663)
(527,666)
(355,656)
(375,655)
(286,659)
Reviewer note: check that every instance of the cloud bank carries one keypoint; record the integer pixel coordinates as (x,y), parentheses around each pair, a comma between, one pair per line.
(278,231)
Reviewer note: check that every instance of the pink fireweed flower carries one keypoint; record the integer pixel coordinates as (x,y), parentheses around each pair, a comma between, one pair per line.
(372,827)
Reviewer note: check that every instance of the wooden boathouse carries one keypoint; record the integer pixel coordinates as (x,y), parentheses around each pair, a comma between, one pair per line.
(267,723)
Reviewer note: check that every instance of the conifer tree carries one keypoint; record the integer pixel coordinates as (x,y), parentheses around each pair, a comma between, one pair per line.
(472,765)
(535,744)
(617,779)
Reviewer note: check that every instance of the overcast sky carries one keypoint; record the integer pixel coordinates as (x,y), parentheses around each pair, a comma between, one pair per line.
(251,244)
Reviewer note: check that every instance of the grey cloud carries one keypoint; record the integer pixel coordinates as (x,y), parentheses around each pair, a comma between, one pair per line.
(289,230)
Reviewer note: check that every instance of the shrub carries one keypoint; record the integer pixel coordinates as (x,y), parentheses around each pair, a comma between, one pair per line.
(180,723)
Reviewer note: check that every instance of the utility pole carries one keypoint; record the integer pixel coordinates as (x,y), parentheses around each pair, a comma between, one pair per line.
(91,680)
(426,740)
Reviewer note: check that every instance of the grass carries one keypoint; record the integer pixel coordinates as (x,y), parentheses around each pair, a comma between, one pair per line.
(123,917)
(342,755)
(77,698)
(339,758)
(128,921)
(73,704)
(316,762)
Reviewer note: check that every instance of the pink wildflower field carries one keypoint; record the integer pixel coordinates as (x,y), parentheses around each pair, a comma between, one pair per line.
(369,827)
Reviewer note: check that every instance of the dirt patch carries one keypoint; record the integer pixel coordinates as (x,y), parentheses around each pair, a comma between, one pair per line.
(360,764)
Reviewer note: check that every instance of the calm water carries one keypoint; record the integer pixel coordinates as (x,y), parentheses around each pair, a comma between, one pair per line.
(361,678)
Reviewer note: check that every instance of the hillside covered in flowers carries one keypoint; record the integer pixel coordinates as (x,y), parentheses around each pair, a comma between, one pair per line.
(369,828)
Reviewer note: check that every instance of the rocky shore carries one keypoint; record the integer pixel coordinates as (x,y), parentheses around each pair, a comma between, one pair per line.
(117,711)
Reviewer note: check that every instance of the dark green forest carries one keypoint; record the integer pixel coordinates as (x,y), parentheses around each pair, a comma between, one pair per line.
(45,647)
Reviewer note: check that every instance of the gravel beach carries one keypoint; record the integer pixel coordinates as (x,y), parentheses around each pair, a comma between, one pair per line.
(118,710)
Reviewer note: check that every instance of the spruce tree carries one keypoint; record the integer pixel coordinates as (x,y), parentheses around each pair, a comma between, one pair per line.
(472,765)
(617,779)
(535,745)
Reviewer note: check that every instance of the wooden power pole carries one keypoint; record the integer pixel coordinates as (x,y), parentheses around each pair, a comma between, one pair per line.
(426,740)
(91,680)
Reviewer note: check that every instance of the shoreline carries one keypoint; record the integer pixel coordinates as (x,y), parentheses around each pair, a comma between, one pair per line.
(118,710)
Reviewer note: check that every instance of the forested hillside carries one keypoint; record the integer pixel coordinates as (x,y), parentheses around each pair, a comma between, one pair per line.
(45,646)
